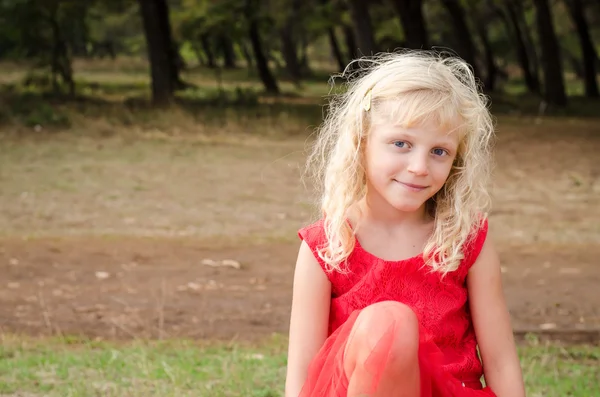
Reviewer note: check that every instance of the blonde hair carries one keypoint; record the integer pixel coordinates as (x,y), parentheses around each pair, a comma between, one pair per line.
(427,85)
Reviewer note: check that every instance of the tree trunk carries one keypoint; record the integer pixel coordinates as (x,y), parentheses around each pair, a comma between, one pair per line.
(304,64)
(289,41)
(228,51)
(207,47)
(174,56)
(466,48)
(261,61)
(335,49)
(289,51)
(413,23)
(336,52)
(363,28)
(489,82)
(576,9)
(512,25)
(350,42)
(160,51)
(528,37)
(554,90)
(246,54)
(179,65)
(61,60)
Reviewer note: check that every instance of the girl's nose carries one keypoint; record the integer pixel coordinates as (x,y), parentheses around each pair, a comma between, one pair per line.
(418,164)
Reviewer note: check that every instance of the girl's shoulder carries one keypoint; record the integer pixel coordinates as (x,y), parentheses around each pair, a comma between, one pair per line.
(314,236)
(316,239)
(473,245)
(314,233)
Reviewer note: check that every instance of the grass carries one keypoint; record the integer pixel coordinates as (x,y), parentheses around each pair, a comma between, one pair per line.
(175,368)
(184,368)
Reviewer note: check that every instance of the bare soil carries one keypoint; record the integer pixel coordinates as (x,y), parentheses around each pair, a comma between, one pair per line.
(128,241)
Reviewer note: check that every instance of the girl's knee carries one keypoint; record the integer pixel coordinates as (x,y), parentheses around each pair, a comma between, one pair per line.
(389,313)
(388,322)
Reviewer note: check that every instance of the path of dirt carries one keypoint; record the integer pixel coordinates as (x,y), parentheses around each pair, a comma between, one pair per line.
(159,288)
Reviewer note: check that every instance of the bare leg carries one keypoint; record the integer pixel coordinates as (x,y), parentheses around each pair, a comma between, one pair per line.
(394,327)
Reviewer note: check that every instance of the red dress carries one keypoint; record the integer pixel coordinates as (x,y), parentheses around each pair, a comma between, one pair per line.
(448,359)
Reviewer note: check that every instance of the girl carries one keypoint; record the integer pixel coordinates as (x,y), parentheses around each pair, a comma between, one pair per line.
(397,286)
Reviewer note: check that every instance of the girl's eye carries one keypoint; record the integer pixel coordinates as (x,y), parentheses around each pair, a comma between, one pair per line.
(439,152)
(400,144)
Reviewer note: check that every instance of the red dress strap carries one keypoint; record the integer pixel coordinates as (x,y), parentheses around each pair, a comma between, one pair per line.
(473,246)
(314,236)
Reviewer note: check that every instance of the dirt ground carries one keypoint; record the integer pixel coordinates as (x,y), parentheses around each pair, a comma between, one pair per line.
(546,223)
(149,288)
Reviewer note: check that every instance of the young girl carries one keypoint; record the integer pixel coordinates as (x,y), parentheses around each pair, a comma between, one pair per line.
(397,286)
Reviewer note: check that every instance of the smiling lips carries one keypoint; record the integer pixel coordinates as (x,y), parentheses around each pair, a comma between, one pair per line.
(412,187)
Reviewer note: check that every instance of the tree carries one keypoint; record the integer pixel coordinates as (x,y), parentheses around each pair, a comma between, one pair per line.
(350,40)
(226,45)
(289,40)
(513,27)
(466,47)
(554,87)
(60,60)
(532,47)
(484,16)
(413,23)
(336,52)
(207,47)
(331,12)
(155,16)
(363,28)
(39,31)
(576,9)
(262,65)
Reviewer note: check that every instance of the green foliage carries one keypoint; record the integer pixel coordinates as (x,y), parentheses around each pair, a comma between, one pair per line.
(34,24)
(195,18)
(116,24)
(46,32)
(51,33)
(32,108)
(43,115)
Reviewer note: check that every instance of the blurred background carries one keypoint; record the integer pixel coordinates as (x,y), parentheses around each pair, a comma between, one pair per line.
(151,181)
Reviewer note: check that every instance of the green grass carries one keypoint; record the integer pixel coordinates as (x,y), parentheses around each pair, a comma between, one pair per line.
(185,368)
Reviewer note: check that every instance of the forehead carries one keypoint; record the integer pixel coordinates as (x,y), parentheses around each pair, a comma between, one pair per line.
(428,131)
(420,111)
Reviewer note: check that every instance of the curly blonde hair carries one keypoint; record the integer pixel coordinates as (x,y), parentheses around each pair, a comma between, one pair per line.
(422,85)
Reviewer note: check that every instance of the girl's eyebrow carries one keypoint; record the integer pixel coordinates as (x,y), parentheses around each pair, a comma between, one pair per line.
(446,140)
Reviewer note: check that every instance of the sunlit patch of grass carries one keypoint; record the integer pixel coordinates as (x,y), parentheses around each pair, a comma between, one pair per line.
(552,370)
(173,368)
(76,367)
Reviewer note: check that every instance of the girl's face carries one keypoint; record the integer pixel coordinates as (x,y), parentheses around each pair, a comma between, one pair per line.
(407,166)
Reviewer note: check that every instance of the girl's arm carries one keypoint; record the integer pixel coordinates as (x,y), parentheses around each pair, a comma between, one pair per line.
(492,324)
(309,318)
